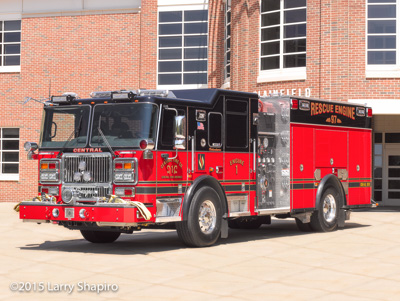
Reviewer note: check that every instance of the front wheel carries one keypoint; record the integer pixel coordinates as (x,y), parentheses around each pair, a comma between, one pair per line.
(325,218)
(100,236)
(203,225)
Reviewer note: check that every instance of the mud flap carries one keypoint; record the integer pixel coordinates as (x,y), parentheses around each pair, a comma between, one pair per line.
(224,228)
(341,218)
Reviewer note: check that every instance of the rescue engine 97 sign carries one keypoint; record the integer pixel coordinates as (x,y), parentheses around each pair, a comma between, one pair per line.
(330,113)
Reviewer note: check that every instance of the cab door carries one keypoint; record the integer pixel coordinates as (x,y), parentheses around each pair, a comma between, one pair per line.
(237,156)
(171,163)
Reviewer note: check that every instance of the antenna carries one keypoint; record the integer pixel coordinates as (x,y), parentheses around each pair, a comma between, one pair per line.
(49,88)
(28,99)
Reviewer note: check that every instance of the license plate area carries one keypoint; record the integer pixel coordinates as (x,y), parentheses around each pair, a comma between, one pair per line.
(69,213)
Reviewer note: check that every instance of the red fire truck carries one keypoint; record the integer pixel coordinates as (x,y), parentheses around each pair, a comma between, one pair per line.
(204,159)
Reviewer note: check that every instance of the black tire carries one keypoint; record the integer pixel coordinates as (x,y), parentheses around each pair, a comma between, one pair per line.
(304,227)
(325,218)
(100,237)
(248,223)
(197,232)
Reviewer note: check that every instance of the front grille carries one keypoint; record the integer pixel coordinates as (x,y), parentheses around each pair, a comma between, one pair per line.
(98,165)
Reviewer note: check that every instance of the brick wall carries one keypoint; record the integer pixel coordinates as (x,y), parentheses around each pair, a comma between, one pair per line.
(77,54)
(216,47)
(336,43)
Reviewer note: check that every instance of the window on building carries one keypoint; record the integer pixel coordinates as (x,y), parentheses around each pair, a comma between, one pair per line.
(382,57)
(183,48)
(378,163)
(283,34)
(381,19)
(227,57)
(9,153)
(10,45)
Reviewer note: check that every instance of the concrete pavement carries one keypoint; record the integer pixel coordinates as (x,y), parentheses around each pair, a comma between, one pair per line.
(275,262)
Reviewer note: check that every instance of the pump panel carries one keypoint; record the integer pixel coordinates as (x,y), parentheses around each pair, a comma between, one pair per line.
(273,154)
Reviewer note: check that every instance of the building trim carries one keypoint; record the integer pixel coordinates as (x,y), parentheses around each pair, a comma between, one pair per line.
(82,13)
(47,8)
(380,106)
(288,74)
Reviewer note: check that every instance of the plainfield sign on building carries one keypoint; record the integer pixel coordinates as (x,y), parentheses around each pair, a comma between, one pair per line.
(291,92)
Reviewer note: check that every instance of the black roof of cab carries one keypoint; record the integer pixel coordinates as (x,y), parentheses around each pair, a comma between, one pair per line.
(205,98)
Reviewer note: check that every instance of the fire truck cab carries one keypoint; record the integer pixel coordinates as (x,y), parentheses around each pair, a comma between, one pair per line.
(203,159)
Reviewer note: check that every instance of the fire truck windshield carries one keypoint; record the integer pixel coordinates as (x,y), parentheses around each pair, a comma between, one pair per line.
(65,127)
(123,125)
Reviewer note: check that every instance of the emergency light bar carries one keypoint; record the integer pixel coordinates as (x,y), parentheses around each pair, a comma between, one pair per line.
(101,94)
(154,92)
(123,95)
(304,105)
(360,112)
(65,98)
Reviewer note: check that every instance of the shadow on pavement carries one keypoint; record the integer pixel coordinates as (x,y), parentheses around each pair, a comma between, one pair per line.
(150,241)
(379,209)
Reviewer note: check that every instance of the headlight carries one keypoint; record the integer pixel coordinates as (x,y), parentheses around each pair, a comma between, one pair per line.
(123,177)
(49,177)
(66,196)
(124,170)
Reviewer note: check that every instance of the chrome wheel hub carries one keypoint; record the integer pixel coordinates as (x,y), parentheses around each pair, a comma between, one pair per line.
(207,217)
(329,208)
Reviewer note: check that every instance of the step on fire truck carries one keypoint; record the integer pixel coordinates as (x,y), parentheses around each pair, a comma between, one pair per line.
(204,159)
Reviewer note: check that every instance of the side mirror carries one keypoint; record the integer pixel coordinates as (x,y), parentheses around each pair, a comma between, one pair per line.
(180,132)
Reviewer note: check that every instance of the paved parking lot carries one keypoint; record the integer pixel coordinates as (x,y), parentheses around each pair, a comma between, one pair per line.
(276,262)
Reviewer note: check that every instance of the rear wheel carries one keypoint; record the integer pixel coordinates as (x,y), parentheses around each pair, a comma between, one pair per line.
(325,219)
(203,225)
(100,236)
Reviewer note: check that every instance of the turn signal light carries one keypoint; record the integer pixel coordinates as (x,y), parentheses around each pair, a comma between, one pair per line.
(127,165)
(118,165)
(295,104)
(48,166)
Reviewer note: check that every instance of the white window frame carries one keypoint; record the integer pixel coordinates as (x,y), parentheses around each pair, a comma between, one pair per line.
(9,176)
(9,69)
(383,71)
(227,9)
(281,74)
(177,6)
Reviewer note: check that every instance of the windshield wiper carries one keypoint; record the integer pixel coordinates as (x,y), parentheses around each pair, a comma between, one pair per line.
(104,138)
(74,133)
